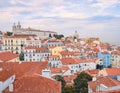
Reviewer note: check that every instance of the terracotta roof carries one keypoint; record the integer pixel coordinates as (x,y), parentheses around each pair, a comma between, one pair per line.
(92,72)
(53,41)
(36,84)
(42,49)
(66,42)
(6,56)
(77,53)
(28,79)
(5,74)
(112,71)
(65,68)
(28,38)
(90,60)
(69,79)
(66,53)
(37,49)
(115,52)
(67,61)
(109,82)
(30,47)
(56,70)
(25,68)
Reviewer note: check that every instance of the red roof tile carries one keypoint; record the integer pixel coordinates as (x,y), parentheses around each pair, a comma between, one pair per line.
(112,71)
(55,40)
(6,56)
(25,68)
(109,82)
(92,72)
(5,74)
(66,61)
(30,47)
(36,84)
(56,70)
(66,53)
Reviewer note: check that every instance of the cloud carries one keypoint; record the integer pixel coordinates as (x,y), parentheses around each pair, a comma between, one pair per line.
(105,3)
(89,17)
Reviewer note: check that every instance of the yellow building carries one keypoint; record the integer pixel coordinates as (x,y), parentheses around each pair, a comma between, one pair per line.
(14,44)
(55,50)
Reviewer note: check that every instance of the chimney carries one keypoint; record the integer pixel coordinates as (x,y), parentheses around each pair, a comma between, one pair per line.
(46,73)
(20,62)
(94,78)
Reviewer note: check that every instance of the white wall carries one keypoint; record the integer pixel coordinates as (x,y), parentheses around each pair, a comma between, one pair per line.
(7,83)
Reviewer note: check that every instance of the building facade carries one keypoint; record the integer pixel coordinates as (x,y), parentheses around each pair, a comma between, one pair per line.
(34,54)
(115,59)
(106,58)
(14,44)
(17,29)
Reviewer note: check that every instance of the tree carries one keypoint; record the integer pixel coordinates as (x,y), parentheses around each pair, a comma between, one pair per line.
(21,56)
(9,33)
(58,36)
(60,78)
(69,89)
(80,83)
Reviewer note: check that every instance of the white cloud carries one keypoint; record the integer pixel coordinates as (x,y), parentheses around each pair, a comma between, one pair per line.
(105,3)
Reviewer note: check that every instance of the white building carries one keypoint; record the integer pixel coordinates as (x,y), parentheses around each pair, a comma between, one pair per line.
(87,65)
(78,65)
(34,54)
(17,29)
(54,42)
(33,42)
(115,58)
(7,81)
(72,63)
(103,84)
(54,61)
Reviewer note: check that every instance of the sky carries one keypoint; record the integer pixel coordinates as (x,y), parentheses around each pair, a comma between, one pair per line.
(90,18)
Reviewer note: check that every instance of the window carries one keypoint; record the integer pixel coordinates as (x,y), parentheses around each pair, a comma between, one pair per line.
(16,48)
(71,66)
(11,48)
(72,71)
